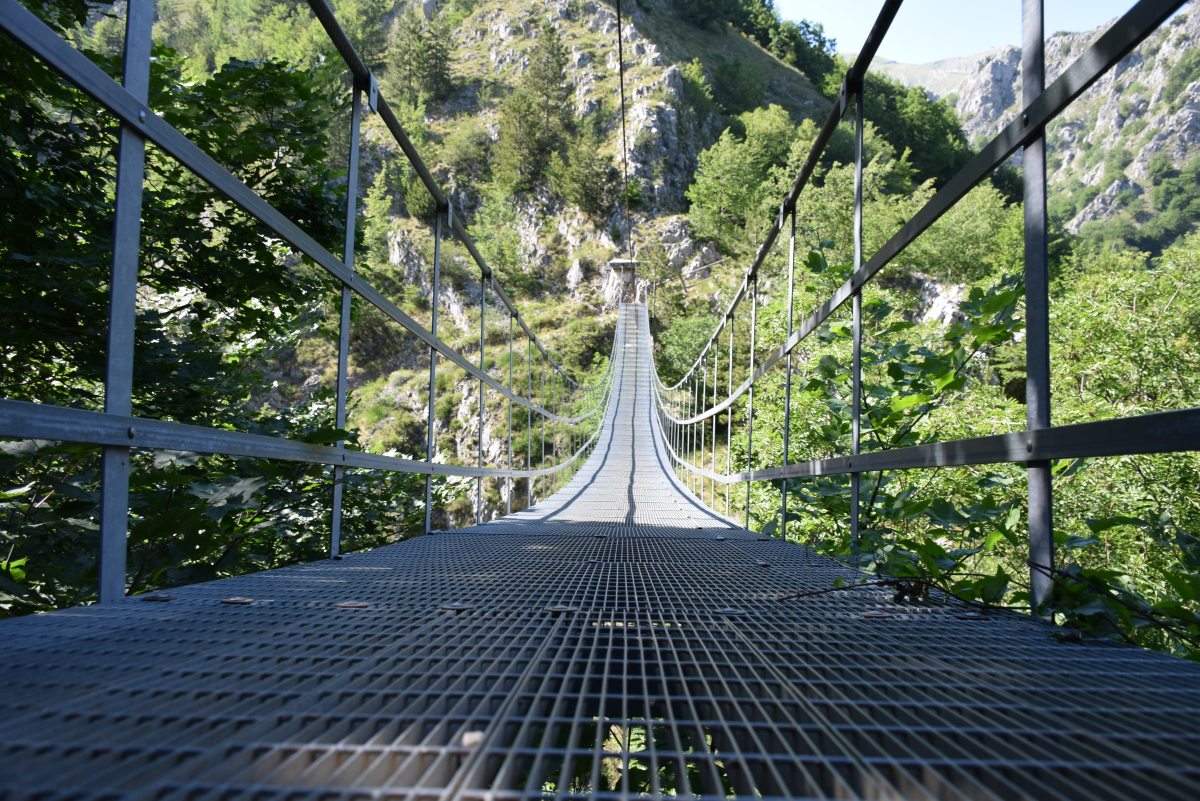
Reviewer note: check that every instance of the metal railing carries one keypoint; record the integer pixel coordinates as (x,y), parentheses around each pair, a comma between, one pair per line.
(118,432)
(690,419)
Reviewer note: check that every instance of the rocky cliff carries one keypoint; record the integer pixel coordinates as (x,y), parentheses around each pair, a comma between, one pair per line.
(1102,147)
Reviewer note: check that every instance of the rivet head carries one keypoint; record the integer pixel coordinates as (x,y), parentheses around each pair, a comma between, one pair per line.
(732,611)
(1029,446)
(132,432)
(971,616)
(352,605)
(1025,117)
(456,606)
(761,563)
(876,614)
(142,116)
(560,608)
(237,600)
(157,598)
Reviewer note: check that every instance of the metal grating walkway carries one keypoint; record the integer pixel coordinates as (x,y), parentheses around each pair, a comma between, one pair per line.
(617,640)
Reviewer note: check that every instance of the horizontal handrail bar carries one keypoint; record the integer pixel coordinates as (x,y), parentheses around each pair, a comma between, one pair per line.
(1159,432)
(24,420)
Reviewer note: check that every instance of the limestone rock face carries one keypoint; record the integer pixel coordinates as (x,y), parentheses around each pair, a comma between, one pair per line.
(1127,112)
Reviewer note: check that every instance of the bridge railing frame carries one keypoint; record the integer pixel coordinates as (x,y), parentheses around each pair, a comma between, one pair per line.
(681,407)
(118,432)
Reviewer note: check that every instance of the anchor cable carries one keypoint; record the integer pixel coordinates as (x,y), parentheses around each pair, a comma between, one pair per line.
(624,146)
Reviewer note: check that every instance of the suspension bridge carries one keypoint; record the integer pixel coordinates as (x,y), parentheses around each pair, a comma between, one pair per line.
(615,639)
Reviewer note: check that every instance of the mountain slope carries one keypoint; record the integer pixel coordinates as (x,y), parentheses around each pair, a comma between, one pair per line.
(1139,122)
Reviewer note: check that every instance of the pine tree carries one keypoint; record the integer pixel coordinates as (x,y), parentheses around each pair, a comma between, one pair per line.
(537,117)
(420,57)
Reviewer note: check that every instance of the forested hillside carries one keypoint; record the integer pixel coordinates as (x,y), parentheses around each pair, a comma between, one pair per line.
(515,107)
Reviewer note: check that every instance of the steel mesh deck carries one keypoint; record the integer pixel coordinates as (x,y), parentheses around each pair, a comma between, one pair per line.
(617,640)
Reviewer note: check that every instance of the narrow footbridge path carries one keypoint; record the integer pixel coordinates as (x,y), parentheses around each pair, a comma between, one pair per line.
(617,640)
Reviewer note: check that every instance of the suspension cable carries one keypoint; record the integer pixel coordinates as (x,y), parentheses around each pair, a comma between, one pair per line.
(624,146)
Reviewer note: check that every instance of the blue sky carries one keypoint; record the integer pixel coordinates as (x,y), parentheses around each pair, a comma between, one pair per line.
(928,30)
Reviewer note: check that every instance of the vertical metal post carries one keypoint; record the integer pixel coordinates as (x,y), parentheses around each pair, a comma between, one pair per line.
(692,431)
(553,428)
(1037,312)
(508,495)
(122,308)
(529,421)
(787,379)
(750,402)
(712,482)
(702,427)
(543,416)
(335,522)
(729,418)
(482,368)
(434,300)
(856,323)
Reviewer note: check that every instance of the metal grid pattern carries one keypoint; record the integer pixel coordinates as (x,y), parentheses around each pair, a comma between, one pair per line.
(617,640)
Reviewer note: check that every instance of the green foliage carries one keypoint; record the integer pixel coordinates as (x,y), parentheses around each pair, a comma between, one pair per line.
(465,151)
(1115,162)
(1172,210)
(731,176)
(1183,72)
(697,89)
(583,174)
(702,13)
(219,301)
(928,130)
(680,344)
(536,118)
(209,34)
(420,55)
(738,86)
(801,44)
(498,239)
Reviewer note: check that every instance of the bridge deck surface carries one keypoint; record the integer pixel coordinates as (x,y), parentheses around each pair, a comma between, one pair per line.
(617,640)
